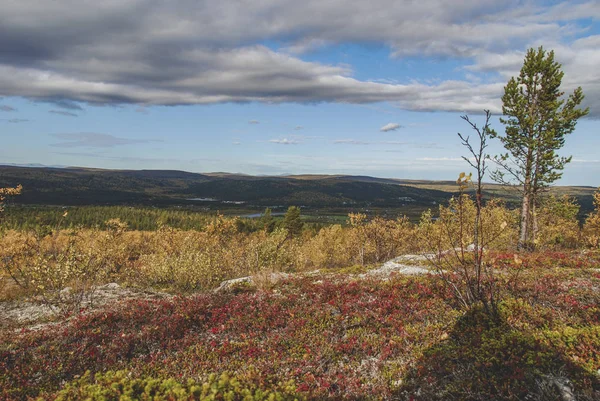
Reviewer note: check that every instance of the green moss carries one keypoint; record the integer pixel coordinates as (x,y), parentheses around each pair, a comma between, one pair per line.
(113,386)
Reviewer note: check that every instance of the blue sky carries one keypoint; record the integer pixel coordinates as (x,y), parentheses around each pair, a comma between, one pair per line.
(279,87)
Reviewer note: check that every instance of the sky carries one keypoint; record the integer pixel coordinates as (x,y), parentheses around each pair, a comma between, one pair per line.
(280,87)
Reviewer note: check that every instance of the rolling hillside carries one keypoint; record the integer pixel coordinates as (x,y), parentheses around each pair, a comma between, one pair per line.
(81,186)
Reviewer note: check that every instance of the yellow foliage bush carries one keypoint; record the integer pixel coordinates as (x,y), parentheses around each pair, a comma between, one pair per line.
(379,239)
(329,248)
(591,229)
(454,226)
(557,223)
(58,269)
(5,192)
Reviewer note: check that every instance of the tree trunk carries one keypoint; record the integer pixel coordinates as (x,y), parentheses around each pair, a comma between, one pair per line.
(524,232)
(534,220)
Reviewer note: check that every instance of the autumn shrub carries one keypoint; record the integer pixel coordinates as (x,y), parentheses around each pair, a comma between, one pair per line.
(197,262)
(591,229)
(6,193)
(457,244)
(191,260)
(327,249)
(119,385)
(55,270)
(558,226)
(378,239)
(453,227)
(268,252)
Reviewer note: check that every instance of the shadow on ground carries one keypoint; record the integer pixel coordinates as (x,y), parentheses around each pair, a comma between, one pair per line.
(486,359)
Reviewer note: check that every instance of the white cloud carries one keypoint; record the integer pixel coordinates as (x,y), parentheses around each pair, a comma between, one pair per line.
(441,159)
(285,141)
(94,140)
(390,127)
(586,161)
(350,142)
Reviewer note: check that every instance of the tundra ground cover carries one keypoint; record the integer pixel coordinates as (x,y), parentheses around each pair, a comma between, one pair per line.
(333,337)
(334,333)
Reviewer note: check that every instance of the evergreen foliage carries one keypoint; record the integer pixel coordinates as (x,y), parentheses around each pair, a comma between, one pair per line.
(537,120)
(292,221)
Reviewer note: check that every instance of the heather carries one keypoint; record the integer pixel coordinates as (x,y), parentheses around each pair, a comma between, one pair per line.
(334,337)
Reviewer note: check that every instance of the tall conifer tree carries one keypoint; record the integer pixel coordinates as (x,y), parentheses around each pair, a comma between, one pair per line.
(537,119)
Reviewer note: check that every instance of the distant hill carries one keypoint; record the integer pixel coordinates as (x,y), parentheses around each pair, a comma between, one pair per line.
(78,186)
(83,186)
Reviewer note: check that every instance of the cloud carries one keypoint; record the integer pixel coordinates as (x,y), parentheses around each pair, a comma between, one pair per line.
(298,128)
(395,143)
(349,142)
(390,127)
(586,161)
(94,140)
(285,141)
(236,143)
(7,108)
(441,159)
(134,159)
(253,122)
(65,104)
(190,52)
(16,120)
(63,113)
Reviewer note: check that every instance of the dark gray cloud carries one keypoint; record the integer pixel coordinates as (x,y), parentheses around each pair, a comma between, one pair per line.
(7,108)
(63,113)
(66,104)
(190,52)
(94,140)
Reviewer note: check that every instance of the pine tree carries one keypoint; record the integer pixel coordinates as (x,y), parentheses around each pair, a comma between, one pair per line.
(292,221)
(268,223)
(537,119)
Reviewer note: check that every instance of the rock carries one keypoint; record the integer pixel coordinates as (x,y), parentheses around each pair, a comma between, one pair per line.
(66,291)
(24,312)
(396,266)
(228,284)
(563,387)
(414,258)
(29,312)
(110,286)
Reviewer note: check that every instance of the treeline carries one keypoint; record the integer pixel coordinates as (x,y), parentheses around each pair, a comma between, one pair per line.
(25,218)
(45,219)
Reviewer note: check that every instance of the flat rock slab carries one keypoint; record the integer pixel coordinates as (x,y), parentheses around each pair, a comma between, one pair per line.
(399,266)
(25,312)
(249,280)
